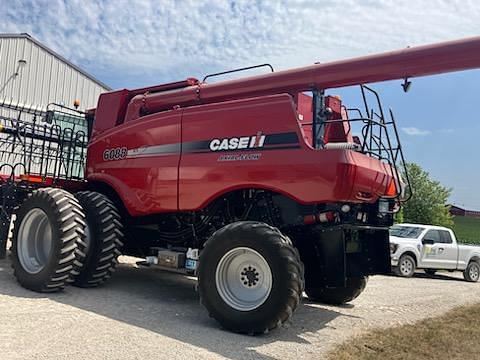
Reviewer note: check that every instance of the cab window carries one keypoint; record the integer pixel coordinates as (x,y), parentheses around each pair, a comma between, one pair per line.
(432,235)
(445,237)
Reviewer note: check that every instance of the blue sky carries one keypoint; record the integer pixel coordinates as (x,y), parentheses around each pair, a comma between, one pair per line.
(138,43)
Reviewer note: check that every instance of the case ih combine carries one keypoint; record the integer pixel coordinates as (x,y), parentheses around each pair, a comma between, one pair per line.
(259,189)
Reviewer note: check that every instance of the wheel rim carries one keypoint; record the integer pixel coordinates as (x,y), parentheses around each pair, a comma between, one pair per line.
(243,278)
(406,267)
(34,242)
(474,272)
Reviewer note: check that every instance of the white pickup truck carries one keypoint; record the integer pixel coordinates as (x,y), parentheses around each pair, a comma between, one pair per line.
(432,248)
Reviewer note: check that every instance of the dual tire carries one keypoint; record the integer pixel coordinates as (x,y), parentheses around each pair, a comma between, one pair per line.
(103,239)
(60,239)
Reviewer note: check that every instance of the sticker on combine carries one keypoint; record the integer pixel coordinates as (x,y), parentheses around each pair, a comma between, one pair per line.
(239,157)
(238,143)
(115,154)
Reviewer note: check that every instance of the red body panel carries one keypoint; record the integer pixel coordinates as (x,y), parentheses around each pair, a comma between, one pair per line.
(146,184)
(146,179)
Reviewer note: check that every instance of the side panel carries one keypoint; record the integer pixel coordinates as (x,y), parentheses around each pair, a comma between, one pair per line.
(283,162)
(144,171)
(465,254)
(204,174)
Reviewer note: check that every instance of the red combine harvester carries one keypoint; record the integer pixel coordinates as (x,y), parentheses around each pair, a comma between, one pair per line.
(261,186)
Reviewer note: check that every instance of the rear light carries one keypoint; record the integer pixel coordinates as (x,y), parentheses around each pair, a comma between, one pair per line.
(391,189)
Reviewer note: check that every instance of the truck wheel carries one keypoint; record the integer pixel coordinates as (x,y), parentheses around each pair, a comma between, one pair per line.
(250,277)
(472,272)
(102,241)
(406,266)
(340,295)
(48,227)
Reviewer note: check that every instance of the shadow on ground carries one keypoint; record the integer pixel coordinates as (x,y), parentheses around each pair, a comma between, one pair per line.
(168,305)
(438,276)
(444,275)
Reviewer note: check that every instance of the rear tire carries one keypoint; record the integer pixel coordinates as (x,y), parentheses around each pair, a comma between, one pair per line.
(472,272)
(48,227)
(406,266)
(103,239)
(250,277)
(340,295)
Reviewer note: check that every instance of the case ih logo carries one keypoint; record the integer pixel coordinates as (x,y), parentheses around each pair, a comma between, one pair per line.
(236,143)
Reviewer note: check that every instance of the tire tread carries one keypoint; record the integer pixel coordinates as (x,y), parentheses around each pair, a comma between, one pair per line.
(287,254)
(70,223)
(106,234)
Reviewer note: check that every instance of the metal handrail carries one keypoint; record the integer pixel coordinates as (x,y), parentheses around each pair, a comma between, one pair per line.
(237,70)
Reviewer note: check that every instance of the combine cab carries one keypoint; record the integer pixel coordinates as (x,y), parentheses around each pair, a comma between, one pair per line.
(262,187)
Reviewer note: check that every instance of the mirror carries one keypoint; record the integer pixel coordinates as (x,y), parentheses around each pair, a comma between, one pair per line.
(428,242)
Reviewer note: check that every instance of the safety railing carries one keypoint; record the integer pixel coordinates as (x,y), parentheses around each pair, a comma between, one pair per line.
(42,145)
(378,137)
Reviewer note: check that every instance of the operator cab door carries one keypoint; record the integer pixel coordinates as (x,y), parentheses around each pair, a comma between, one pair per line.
(439,251)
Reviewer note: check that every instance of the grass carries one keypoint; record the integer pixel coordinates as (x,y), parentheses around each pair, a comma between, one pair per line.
(467,229)
(451,336)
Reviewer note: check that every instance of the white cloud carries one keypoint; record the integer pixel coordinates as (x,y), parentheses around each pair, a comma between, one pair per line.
(446,131)
(147,41)
(413,131)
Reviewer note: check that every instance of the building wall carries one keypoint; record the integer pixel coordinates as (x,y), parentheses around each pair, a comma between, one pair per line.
(455,210)
(45,78)
(458,211)
(472,213)
(33,145)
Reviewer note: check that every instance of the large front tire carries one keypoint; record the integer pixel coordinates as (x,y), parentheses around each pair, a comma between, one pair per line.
(338,295)
(48,227)
(103,239)
(250,277)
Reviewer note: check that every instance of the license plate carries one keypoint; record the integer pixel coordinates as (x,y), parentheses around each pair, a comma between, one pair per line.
(191,264)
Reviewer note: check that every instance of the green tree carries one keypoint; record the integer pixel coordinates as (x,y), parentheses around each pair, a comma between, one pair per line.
(428,204)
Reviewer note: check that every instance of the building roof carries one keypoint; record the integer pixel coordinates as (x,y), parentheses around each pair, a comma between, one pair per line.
(61,58)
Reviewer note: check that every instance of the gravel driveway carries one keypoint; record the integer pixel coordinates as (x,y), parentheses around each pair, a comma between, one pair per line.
(147,314)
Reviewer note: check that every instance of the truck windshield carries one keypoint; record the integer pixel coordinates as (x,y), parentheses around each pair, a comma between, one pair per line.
(411,232)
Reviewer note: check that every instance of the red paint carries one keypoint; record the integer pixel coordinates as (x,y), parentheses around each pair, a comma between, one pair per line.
(149,185)
(186,112)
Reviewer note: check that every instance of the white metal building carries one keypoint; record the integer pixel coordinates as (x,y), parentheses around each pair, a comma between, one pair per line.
(32,75)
